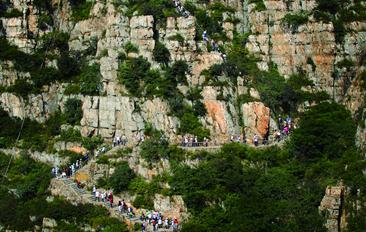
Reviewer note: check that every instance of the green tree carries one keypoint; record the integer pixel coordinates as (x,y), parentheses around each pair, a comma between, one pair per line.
(73,111)
(121,177)
(326,130)
(161,54)
(90,80)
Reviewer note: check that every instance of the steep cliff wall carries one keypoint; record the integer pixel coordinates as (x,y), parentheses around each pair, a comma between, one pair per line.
(309,49)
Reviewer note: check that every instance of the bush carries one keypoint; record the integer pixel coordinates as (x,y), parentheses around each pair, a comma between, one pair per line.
(177,37)
(130,47)
(121,177)
(161,54)
(155,147)
(345,63)
(293,21)
(71,135)
(189,124)
(259,5)
(325,131)
(131,72)
(144,202)
(90,80)
(13,13)
(73,111)
(80,9)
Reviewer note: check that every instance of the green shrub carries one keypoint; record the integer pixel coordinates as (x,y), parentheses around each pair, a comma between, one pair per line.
(345,63)
(161,54)
(90,80)
(131,72)
(177,37)
(293,21)
(259,5)
(92,143)
(13,13)
(103,160)
(189,124)
(73,111)
(143,201)
(80,9)
(72,89)
(70,135)
(130,47)
(155,147)
(121,177)
(326,130)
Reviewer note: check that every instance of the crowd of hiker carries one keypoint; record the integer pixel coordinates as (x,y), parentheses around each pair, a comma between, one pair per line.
(149,218)
(192,141)
(69,170)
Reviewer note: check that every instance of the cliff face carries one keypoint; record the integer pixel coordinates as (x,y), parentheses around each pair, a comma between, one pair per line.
(310,49)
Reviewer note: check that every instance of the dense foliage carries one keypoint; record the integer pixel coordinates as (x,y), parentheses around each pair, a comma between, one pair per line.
(240,188)
(23,194)
(73,111)
(121,177)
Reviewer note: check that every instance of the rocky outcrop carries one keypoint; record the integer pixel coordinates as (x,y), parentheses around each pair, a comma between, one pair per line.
(256,117)
(221,118)
(171,207)
(112,115)
(331,206)
(36,107)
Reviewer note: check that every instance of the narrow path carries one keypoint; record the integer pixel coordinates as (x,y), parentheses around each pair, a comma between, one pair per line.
(67,188)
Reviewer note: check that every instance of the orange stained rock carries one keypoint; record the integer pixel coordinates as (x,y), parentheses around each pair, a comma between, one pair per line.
(77,149)
(215,110)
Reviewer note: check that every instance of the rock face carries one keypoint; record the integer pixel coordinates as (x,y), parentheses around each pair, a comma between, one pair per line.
(172,207)
(111,115)
(256,117)
(221,118)
(332,205)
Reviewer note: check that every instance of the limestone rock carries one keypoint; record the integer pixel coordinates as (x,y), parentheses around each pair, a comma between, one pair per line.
(49,223)
(220,117)
(172,207)
(331,205)
(118,115)
(256,118)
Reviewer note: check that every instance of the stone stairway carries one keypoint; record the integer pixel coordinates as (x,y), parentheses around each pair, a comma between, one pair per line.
(67,188)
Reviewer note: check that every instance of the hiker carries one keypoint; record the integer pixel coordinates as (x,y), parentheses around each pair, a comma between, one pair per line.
(110,196)
(143,226)
(166,223)
(204,36)
(94,190)
(195,141)
(205,141)
(286,130)
(53,172)
(277,135)
(280,122)
(255,139)
(175,224)
(214,45)
(114,141)
(124,140)
(97,195)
